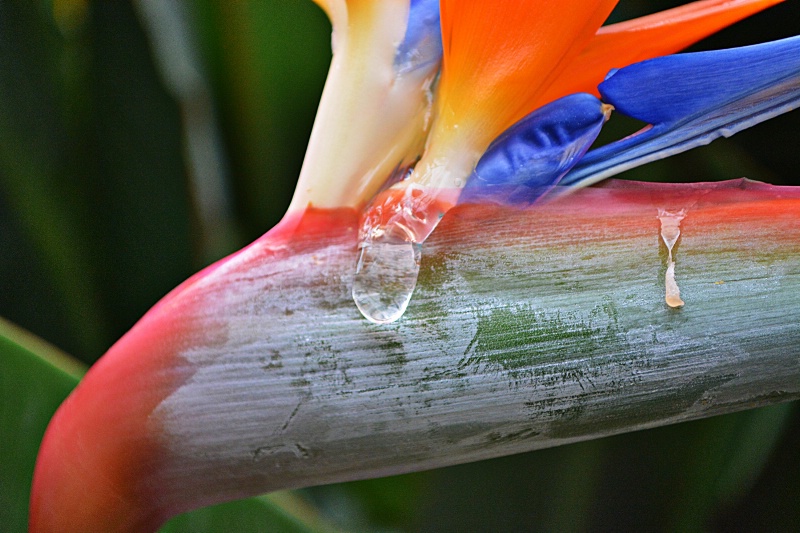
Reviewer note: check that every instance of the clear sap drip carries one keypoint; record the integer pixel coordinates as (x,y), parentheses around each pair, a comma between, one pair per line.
(670,231)
(673,293)
(386,275)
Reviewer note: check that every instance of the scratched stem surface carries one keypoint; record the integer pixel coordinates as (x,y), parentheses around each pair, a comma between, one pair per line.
(528,329)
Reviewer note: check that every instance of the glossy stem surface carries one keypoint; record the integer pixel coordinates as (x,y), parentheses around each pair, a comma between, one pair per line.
(529,328)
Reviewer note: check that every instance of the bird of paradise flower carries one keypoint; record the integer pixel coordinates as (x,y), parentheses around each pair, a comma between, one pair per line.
(501,107)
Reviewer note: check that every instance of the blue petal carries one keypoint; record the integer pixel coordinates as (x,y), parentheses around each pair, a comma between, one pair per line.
(692,99)
(422,46)
(531,156)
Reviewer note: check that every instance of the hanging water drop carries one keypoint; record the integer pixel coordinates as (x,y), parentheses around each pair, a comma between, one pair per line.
(386,275)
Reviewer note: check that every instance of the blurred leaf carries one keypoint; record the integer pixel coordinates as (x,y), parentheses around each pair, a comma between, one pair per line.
(267,61)
(255,515)
(546,490)
(389,503)
(771,503)
(173,43)
(35,178)
(91,166)
(736,449)
(34,379)
(750,446)
(135,177)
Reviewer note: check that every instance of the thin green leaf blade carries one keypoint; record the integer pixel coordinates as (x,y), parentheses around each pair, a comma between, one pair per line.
(34,379)
(254,515)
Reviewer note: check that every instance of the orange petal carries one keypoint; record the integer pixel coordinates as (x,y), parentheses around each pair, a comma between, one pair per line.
(500,56)
(619,45)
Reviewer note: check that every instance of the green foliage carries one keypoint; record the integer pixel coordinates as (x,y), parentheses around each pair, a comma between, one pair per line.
(100,215)
(34,379)
(256,515)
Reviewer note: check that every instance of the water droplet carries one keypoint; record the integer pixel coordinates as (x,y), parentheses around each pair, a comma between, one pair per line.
(386,275)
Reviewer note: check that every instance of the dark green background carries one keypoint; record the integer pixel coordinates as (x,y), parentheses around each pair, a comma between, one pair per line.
(98,221)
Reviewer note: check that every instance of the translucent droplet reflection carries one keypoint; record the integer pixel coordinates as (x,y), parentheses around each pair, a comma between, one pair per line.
(386,275)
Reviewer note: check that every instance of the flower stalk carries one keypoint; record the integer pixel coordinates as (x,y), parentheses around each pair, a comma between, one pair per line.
(531,328)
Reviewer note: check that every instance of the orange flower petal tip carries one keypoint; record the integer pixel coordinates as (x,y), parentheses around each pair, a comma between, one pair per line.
(500,56)
(621,44)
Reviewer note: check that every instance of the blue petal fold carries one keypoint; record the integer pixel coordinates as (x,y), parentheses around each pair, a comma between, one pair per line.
(422,46)
(532,156)
(692,99)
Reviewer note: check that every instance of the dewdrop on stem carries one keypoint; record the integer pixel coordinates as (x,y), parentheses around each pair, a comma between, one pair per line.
(390,248)
(386,276)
